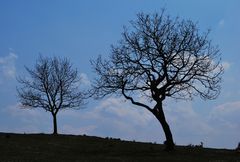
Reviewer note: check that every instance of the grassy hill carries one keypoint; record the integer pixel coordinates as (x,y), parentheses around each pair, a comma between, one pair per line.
(68,148)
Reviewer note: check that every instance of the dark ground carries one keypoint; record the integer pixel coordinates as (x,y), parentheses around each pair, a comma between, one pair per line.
(68,148)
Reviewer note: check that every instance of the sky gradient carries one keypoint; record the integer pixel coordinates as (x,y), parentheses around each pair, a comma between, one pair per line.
(83,29)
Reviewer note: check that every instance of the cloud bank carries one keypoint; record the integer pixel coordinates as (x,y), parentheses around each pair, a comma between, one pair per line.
(114,117)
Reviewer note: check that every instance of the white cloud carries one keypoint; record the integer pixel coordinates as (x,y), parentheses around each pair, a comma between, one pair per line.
(124,109)
(221,23)
(29,120)
(84,79)
(114,117)
(227,115)
(226,65)
(187,125)
(225,119)
(123,120)
(117,118)
(227,109)
(7,65)
(16,110)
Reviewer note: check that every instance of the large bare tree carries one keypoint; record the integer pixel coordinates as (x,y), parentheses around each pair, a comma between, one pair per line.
(159,57)
(53,85)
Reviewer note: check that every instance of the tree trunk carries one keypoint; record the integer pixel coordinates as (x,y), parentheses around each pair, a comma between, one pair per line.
(159,114)
(55,132)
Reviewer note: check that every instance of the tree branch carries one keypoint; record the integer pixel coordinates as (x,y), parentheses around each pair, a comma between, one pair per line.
(132,100)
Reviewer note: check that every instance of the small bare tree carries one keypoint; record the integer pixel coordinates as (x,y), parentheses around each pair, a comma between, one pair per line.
(160,57)
(53,86)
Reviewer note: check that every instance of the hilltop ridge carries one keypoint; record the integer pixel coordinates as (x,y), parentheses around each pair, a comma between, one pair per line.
(65,148)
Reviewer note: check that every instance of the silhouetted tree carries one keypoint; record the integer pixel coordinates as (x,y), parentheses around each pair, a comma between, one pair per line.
(53,86)
(160,57)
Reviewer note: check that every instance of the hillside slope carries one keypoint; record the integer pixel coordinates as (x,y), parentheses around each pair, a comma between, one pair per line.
(68,148)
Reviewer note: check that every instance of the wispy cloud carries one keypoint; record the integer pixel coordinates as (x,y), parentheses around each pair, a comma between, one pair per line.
(221,23)
(117,118)
(228,111)
(187,125)
(120,108)
(226,65)
(7,66)
(225,119)
(84,79)
(23,120)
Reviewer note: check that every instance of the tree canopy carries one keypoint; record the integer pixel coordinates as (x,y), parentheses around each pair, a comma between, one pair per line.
(53,85)
(158,57)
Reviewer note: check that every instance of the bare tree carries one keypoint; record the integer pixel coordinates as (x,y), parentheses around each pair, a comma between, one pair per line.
(160,57)
(53,86)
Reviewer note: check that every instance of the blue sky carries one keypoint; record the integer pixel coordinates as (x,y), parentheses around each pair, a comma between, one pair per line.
(83,29)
